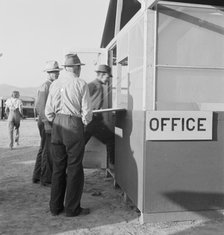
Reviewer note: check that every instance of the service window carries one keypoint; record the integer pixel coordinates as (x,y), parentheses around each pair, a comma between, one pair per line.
(123,83)
(91,59)
(190,57)
(113,61)
(119,81)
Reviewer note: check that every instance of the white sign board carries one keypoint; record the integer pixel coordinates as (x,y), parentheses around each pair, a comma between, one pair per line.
(179,125)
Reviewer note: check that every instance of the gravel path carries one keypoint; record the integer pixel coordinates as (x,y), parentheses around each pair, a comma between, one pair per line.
(24,206)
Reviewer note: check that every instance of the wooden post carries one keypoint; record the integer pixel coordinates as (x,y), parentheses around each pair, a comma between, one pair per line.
(2,109)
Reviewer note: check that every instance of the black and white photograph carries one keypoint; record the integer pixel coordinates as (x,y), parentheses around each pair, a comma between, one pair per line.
(112,117)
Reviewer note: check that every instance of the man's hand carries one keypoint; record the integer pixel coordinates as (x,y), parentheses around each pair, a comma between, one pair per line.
(47,126)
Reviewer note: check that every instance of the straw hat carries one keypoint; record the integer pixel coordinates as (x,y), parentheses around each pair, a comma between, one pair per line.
(52,66)
(72,60)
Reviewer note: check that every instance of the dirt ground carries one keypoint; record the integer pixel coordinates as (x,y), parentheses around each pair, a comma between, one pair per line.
(24,205)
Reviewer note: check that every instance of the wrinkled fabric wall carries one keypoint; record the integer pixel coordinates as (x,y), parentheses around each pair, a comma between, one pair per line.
(190,57)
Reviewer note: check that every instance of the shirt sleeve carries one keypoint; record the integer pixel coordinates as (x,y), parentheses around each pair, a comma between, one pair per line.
(7,103)
(21,107)
(41,100)
(92,88)
(49,108)
(37,103)
(86,106)
(7,107)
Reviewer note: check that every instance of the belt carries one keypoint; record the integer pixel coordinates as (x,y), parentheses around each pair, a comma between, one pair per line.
(67,115)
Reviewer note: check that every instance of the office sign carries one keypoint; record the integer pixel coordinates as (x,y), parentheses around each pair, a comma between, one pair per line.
(179,125)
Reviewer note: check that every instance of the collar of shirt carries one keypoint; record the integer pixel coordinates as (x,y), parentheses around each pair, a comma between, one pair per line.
(49,80)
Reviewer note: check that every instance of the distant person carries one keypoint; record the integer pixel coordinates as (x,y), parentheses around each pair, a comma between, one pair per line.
(43,167)
(97,127)
(14,112)
(69,108)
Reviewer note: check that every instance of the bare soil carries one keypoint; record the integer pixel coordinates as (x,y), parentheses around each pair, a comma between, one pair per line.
(24,205)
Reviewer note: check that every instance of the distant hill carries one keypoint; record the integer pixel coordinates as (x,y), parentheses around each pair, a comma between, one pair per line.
(6,90)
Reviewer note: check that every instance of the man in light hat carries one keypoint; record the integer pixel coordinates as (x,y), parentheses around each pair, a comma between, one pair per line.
(97,127)
(43,167)
(69,109)
(14,111)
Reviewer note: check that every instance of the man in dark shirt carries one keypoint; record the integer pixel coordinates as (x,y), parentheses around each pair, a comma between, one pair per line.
(97,127)
(43,167)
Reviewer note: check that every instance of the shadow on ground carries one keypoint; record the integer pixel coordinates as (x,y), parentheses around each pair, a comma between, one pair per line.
(24,206)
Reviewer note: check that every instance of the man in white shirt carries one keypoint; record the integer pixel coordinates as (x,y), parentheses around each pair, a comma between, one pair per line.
(14,111)
(68,107)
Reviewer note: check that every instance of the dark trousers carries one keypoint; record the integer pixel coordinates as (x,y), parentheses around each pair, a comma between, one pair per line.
(46,163)
(98,129)
(68,176)
(43,165)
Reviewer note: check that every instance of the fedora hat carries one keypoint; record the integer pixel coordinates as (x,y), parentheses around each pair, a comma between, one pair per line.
(52,66)
(103,68)
(72,60)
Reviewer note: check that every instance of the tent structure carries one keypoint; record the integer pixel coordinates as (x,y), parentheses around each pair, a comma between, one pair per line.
(131,7)
(167,63)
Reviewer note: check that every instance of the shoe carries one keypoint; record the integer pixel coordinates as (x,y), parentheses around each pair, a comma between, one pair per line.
(81,211)
(17,140)
(45,184)
(35,181)
(57,212)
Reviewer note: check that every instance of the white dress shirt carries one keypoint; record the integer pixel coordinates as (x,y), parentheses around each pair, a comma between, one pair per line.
(69,95)
(13,104)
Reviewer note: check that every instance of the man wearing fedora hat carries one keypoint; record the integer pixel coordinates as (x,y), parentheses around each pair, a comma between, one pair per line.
(43,167)
(69,109)
(97,127)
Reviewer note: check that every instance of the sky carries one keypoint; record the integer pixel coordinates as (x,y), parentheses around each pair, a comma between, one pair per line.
(35,31)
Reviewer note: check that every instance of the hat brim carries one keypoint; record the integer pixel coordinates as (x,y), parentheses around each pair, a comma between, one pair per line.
(99,71)
(71,65)
(53,70)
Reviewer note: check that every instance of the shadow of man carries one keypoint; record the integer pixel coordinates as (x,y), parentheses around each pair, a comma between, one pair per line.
(126,172)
